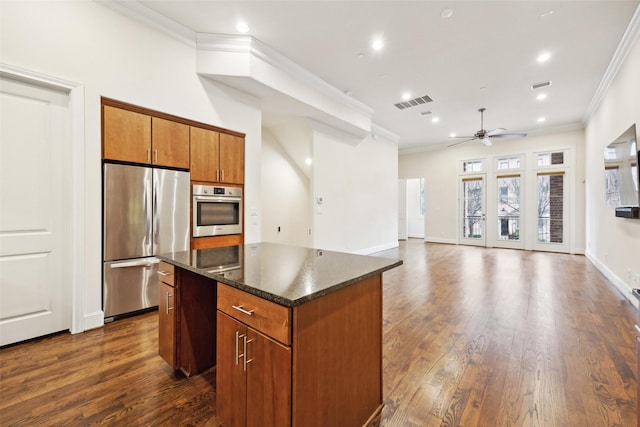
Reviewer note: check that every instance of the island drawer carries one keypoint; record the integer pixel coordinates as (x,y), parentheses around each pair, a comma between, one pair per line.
(166,273)
(264,316)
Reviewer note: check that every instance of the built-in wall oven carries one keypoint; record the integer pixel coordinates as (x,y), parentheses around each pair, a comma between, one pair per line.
(217,210)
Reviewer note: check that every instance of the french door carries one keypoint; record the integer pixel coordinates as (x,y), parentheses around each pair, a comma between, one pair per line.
(551,230)
(473,210)
(507,212)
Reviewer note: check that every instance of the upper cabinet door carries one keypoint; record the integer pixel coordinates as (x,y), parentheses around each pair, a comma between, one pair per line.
(127,135)
(204,155)
(231,159)
(170,143)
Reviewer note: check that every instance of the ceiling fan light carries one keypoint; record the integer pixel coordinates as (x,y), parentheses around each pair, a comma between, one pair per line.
(486,142)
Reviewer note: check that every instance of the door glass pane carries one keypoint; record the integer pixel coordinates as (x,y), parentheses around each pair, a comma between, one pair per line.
(472,218)
(550,208)
(509,208)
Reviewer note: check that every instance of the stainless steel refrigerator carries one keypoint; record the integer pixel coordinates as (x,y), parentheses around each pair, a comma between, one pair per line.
(146,212)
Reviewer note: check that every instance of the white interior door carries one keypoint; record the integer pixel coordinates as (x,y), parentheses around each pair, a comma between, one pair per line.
(35,206)
(403,222)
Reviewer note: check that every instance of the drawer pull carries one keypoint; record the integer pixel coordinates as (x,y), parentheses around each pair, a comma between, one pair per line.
(164,273)
(167,305)
(637,328)
(242,310)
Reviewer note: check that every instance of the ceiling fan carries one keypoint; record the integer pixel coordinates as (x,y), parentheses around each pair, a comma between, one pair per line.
(484,135)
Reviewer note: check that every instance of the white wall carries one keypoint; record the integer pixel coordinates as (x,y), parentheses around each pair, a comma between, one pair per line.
(359,186)
(286,195)
(613,244)
(113,56)
(441,167)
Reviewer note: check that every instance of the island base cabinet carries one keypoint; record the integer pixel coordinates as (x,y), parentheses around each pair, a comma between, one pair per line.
(253,377)
(167,346)
(167,324)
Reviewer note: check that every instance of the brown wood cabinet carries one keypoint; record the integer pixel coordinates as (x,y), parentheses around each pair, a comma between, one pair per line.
(135,137)
(167,314)
(231,159)
(170,143)
(253,377)
(126,135)
(186,319)
(216,157)
(316,364)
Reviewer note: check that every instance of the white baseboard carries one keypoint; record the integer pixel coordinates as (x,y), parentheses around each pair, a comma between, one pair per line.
(379,248)
(93,320)
(416,236)
(624,289)
(440,240)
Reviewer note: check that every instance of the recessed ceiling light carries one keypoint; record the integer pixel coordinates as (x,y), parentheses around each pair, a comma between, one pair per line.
(435,120)
(242,27)
(360,55)
(308,161)
(452,135)
(541,119)
(541,97)
(377,44)
(549,13)
(446,13)
(406,96)
(543,57)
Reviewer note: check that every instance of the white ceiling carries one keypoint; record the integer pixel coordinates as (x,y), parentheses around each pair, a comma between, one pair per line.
(482,56)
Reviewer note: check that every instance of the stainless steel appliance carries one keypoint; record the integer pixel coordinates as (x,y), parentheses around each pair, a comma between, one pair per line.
(216,210)
(146,212)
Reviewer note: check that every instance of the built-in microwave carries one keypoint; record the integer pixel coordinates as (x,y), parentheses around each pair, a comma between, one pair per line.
(217,210)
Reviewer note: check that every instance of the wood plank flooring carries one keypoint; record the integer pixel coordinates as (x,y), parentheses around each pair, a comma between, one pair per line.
(472,337)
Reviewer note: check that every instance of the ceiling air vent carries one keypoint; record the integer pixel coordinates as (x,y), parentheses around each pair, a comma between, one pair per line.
(540,85)
(413,102)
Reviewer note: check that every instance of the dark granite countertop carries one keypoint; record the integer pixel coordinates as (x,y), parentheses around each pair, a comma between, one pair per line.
(286,275)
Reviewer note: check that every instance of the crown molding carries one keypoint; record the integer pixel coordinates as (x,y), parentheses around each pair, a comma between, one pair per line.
(137,11)
(387,134)
(626,44)
(250,45)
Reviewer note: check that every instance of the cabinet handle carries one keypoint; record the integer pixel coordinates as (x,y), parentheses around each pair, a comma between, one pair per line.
(149,155)
(164,273)
(245,361)
(217,174)
(167,305)
(242,310)
(637,328)
(237,352)
(222,175)
(155,153)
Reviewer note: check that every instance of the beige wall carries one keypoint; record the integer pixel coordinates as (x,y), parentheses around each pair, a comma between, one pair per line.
(440,168)
(613,244)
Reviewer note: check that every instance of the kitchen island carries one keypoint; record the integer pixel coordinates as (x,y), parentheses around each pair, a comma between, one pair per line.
(295,333)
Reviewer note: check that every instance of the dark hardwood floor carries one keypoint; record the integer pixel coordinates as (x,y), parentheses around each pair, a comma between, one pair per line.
(472,337)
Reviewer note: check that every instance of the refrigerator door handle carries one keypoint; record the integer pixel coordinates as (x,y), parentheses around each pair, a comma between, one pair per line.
(139,263)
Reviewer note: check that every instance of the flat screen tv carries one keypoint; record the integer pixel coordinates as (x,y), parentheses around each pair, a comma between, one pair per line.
(621,160)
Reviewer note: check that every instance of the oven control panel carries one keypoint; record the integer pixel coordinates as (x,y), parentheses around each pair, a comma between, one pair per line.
(211,190)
